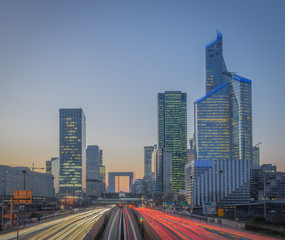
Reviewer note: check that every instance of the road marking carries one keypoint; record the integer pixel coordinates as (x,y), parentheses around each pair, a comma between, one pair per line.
(120,225)
(132,225)
(112,225)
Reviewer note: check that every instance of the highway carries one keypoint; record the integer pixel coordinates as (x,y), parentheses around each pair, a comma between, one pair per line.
(170,227)
(71,227)
(122,225)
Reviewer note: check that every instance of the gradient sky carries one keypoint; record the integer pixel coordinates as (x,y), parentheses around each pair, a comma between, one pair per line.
(112,58)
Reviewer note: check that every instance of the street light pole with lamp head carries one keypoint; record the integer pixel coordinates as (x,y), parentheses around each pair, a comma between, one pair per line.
(220,197)
(65,195)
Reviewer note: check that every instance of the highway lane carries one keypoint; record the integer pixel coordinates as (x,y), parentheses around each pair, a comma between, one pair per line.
(122,225)
(171,227)
(71,227)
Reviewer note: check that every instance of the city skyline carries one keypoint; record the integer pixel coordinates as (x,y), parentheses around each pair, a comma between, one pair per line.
(113,59)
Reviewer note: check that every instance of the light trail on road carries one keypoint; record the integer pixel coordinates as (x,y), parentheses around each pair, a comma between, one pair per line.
(122,225)
(72,227)
(172,227)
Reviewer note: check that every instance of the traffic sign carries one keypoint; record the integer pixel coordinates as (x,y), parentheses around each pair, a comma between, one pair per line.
(220,212)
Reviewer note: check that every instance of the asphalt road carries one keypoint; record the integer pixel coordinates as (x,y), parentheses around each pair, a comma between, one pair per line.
(71,227)
(122,226)
(171,227)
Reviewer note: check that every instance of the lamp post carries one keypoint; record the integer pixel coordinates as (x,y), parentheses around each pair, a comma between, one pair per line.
(65,195)
(53,191)
(220,187)
(264,195)
(73,197)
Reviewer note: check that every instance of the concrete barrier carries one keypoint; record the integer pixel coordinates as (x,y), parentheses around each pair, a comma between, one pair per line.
(147,231)
(98,226)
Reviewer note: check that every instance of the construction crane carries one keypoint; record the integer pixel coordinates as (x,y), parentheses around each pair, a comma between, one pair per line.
(257,144)
(33,168)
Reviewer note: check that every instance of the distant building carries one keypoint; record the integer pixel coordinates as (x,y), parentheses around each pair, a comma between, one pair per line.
(103,179)
(163,171)
(255,156)
(274,187)
(48,166)
(172,133)
(138,186)
(13,178)
(191,156)
(255,182)
(72,147)
(101,157)
(147,186)
(94,177)
(148,150)
(267,182)
(55,173)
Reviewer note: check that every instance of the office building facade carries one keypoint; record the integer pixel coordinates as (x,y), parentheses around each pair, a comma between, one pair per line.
(48,166)
(55,173)
(93,162)
(163,170)
(13,178)
(172,133)
(148,150)
(255,156)
(72,155)
(223,135)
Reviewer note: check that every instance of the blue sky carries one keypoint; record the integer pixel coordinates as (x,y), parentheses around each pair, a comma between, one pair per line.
(112,58)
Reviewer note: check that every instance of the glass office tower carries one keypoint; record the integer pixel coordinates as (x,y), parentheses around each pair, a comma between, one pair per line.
(93,159)
(212,124)
(172,133)
(72,145)
(215,64)
(148,150)
(223,135)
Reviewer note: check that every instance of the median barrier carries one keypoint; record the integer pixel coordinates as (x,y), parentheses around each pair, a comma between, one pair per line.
(98,228)
(147,231)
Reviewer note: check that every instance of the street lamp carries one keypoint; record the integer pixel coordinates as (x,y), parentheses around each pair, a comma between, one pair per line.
(220,187)
(65,194)
(220,178)
(264,194)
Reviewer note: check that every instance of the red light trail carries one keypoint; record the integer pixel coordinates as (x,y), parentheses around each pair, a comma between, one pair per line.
(172,227)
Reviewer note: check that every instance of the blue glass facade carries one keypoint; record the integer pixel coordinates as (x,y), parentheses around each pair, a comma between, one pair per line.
(212,124)
(148,150)
(215,64)
(241,118)
(172,133)
(223,135)
(72,178)
(223,117)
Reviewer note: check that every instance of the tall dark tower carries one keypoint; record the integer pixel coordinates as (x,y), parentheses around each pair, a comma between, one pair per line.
(172,133)
(72,176)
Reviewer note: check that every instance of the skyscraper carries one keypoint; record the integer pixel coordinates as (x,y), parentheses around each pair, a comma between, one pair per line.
(172,133)
(93,160)
(148,150)
(163,171)
(72,177)
(55,173)
(48,166)
(223,135)
(255,156)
